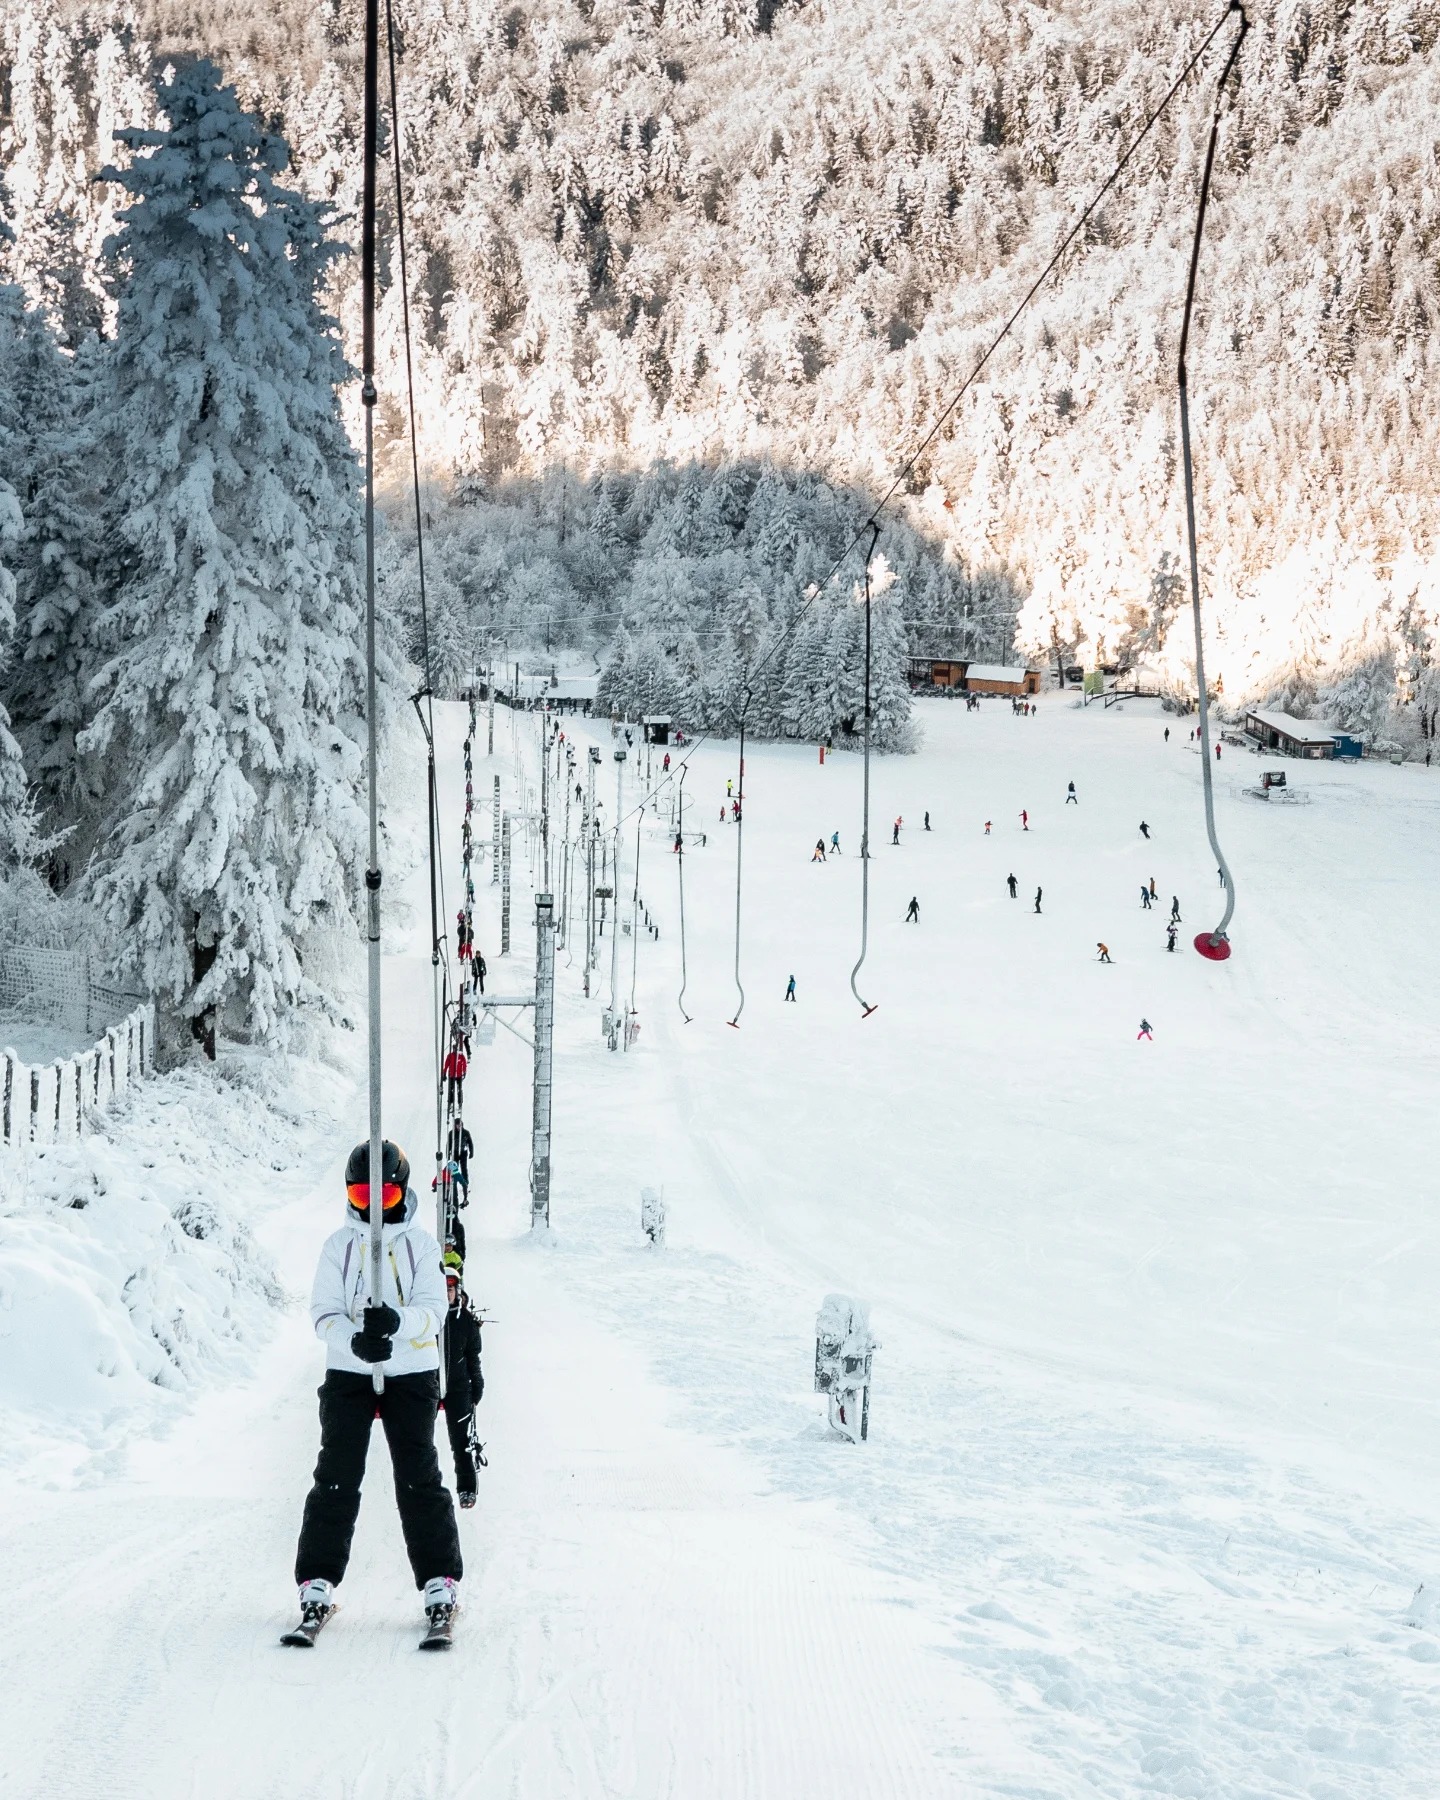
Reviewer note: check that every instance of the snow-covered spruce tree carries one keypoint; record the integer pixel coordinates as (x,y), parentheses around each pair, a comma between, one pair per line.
(889,691)
(227,678)
(19,844)
(56,569)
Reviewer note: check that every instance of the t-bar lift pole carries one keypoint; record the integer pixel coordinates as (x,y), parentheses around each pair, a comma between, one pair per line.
(372,869)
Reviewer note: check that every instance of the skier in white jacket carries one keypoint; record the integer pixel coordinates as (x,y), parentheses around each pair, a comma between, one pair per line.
(400,1334)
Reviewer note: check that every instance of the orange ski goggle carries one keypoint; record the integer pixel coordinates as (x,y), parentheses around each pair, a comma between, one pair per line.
(391,1194)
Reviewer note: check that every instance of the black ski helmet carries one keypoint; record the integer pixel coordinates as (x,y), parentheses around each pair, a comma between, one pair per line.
(394,1171)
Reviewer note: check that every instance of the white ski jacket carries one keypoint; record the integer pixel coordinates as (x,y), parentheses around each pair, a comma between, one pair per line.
(412,1280)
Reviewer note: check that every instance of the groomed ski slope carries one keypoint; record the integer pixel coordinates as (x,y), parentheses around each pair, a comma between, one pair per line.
(1154,1455)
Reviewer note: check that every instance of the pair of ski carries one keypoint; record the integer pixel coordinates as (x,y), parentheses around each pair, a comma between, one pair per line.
(439,1636)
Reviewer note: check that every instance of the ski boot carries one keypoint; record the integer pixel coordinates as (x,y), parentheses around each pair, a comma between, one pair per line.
(442,1601)
(317,1602)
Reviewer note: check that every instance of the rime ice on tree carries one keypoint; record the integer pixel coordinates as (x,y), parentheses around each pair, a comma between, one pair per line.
(225,668)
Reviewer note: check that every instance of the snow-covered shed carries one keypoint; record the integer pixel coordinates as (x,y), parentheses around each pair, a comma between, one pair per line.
(937,671)
(1002,678)
(1291,736)
(568,693)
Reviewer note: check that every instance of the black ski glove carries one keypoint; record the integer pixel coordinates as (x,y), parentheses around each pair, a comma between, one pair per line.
(381,1321)
(371,1349)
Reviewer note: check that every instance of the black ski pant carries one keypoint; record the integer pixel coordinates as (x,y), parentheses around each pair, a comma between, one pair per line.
(461,1427)
(407,1408)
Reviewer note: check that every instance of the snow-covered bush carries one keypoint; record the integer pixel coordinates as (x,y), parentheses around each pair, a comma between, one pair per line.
(129,1272)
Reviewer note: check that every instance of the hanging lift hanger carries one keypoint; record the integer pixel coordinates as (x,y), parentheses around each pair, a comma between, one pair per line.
(1212,944)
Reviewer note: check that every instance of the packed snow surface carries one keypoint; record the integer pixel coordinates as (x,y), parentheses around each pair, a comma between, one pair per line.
(1148,1503)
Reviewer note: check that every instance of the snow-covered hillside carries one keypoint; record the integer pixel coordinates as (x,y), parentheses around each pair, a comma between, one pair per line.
(1149,1491)
(708,232)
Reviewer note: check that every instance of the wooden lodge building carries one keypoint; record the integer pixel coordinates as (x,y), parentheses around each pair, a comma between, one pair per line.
(973,678)
(1291,736)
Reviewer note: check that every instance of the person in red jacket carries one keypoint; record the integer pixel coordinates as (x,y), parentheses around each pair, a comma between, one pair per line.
(453,1069)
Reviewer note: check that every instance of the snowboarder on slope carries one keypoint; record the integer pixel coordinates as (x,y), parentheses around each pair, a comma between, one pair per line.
(1144,1031)
(1024,821)
(1144,896)
(927,821)
(1154,891)
(1170,932)
(1011,884)
(790,990)
(1070,797)
(912,913)
(895,831)
(819,854)
(1144,829)
(1038,892)
(1167,734)
(464,1381)
(834,843)
(1104,950)
(399,1332)
(1174,909)
(987,828)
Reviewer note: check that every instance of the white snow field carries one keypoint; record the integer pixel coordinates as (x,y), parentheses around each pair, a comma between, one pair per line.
(1152,1477)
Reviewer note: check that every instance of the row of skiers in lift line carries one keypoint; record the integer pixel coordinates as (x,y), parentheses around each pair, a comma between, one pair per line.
(420,1317)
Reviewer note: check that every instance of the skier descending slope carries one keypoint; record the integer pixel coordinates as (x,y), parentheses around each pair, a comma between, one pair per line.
(401,1334)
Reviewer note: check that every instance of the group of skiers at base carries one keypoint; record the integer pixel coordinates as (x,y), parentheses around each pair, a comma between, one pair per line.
(421,1305)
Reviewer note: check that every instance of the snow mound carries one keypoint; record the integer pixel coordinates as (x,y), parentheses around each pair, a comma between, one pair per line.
(1424,1610)
(129,1274)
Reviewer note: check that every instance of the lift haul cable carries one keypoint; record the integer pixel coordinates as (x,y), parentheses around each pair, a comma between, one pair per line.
(908,465)
(1212,944)
(871,524)
(865,1007)
(440,972)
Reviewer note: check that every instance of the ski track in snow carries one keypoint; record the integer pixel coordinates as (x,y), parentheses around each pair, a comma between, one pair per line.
(1154,1425)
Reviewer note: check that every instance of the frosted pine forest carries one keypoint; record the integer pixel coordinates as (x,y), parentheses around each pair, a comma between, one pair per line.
(1149,1505)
